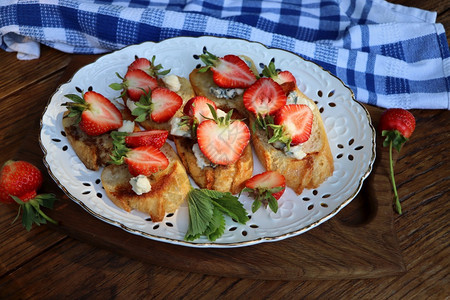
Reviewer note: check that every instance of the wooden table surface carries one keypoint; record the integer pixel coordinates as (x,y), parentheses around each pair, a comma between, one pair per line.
(48,263)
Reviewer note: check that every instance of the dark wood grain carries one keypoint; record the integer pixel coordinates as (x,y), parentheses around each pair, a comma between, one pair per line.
(60,266)
(346,248)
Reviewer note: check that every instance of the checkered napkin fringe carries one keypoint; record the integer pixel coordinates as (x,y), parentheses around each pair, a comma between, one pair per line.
(390,55)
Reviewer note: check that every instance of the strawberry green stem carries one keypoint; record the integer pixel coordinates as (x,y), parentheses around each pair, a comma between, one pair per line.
(36,206)
(397,204)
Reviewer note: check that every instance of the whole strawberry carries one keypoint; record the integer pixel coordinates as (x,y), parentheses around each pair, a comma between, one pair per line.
(19,182)
(397,125)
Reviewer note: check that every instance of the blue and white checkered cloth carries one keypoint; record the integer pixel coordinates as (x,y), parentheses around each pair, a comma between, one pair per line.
(390,55)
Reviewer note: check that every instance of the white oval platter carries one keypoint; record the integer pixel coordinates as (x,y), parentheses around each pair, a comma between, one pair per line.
(349,128)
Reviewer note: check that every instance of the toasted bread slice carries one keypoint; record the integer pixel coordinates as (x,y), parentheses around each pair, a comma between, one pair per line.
(229,178)
(93,151)
(203,85)
(169,188)
(308,172)
(185,92)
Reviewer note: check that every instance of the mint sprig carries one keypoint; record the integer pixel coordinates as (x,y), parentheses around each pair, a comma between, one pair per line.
(207,210)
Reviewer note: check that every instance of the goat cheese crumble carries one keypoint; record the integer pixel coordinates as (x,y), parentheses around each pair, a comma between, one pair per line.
(179,130)
(225,93)
(140,184)
(127,126)
(202,161)
(172,82)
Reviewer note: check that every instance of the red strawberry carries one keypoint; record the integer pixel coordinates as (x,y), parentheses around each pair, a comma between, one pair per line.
(287,81)
(148,67)
(296,122)
(97,115)
(284,78)
(222,140)
(155,138)
(398,119)
(229,71)
(264,97)
(397,125)
(165,104)
(136,83)
(266,188)
(140,64)
(145,160)
(198,107)
(19,182)
(19,178)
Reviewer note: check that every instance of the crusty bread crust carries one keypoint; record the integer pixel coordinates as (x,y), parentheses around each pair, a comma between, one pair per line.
(186,92)
(308,172)
(230,178)
(93,151)
(169,188)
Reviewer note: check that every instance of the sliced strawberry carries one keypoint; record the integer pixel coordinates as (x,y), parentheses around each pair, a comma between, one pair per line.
(97,114)
(229,71)
(147,66)
(138,83)
(266,188)
(284,78)
(140,64)
(221,140)
(267,181)
(155,138)
(198,107)
(296,121)
(165,104)
(264,97)
(145,160)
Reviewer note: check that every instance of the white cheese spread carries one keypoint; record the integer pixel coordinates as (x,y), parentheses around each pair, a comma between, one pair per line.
(172,82)
(127,126)
(131,105)
(140,184)
(295,98)
(176,129)
(202,161)
(295,152)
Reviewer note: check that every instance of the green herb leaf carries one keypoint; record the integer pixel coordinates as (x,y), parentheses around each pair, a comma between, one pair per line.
(216,227)
(200,212)
(206,213)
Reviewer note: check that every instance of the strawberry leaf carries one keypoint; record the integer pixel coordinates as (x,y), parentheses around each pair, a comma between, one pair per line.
(395,137)
(116,86)
(120,149)
(31,211)
(273,203)
(75,98)
(143,109)
(256,205)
